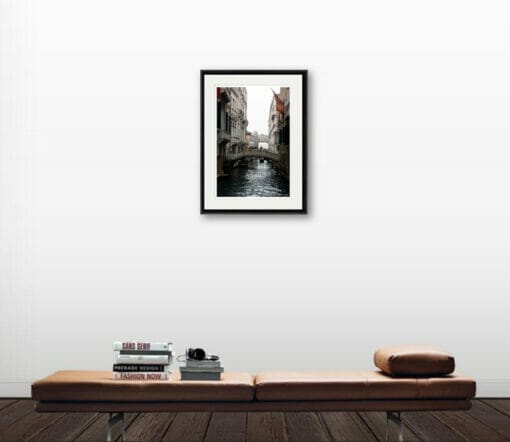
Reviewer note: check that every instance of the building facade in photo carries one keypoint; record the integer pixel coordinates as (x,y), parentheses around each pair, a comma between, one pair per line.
(279,128)
(284,131)
(239,121)
(231,124)
(273,126)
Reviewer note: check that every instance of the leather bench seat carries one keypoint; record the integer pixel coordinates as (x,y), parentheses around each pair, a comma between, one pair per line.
(99,386)
(357,385)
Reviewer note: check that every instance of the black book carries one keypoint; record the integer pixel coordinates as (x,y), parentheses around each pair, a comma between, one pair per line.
(139,367)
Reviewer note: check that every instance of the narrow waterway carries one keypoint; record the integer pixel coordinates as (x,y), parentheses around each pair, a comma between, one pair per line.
(253,179)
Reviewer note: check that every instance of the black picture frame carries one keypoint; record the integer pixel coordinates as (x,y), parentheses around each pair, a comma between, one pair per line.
(304,150)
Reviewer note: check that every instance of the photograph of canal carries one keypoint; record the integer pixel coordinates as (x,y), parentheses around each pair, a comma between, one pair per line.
(253,126)
(252,144)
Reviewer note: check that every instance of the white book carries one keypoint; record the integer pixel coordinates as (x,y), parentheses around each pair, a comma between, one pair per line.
(141,376)
(142,346)
(142,359)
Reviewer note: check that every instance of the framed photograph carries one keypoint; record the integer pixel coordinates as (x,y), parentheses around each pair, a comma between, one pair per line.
(253,141)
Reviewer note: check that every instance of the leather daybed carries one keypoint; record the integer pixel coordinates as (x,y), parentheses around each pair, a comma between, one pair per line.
(410,379)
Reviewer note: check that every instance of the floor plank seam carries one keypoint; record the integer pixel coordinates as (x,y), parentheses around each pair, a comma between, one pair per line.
(168,426)
(286,428)
(17,420)
(7,405)
(32,436)
(367,426)
(487,402)
(208,425)
(118,438)
(19,417)
(478,419)
(412,429)
(437,416)
(325,426)
(86,427)
(245,427)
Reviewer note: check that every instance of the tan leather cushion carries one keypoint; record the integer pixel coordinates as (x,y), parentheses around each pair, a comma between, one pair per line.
(357,385)
(99,386)
(414,360)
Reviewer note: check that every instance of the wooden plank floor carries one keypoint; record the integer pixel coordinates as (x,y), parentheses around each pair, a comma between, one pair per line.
(487,421)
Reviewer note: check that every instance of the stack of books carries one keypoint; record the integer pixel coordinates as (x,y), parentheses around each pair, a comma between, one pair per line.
(139,361)
(205,370)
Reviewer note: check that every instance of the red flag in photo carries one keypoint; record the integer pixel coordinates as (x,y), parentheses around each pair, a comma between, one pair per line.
(218,92)
(280,105)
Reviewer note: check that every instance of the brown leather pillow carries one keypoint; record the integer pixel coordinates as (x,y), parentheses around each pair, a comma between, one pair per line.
(414,360)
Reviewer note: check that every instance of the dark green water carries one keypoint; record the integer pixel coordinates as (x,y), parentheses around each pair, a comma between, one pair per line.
(255,179)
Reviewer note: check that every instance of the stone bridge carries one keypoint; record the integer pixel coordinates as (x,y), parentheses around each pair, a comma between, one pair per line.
(254,153)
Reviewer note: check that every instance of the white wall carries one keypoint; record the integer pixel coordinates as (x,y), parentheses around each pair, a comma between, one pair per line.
(408,236)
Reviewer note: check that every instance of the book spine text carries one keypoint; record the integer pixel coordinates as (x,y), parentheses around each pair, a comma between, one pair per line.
(141,346)
(143,376)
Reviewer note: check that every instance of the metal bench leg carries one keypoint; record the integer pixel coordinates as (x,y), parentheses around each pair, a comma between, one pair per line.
(395,418)
(114,418)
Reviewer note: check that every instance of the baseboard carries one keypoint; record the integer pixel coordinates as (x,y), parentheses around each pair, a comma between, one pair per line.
(488,388)
(15,389)
(485,388)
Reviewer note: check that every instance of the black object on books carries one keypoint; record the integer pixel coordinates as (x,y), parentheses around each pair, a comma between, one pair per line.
(199,354)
